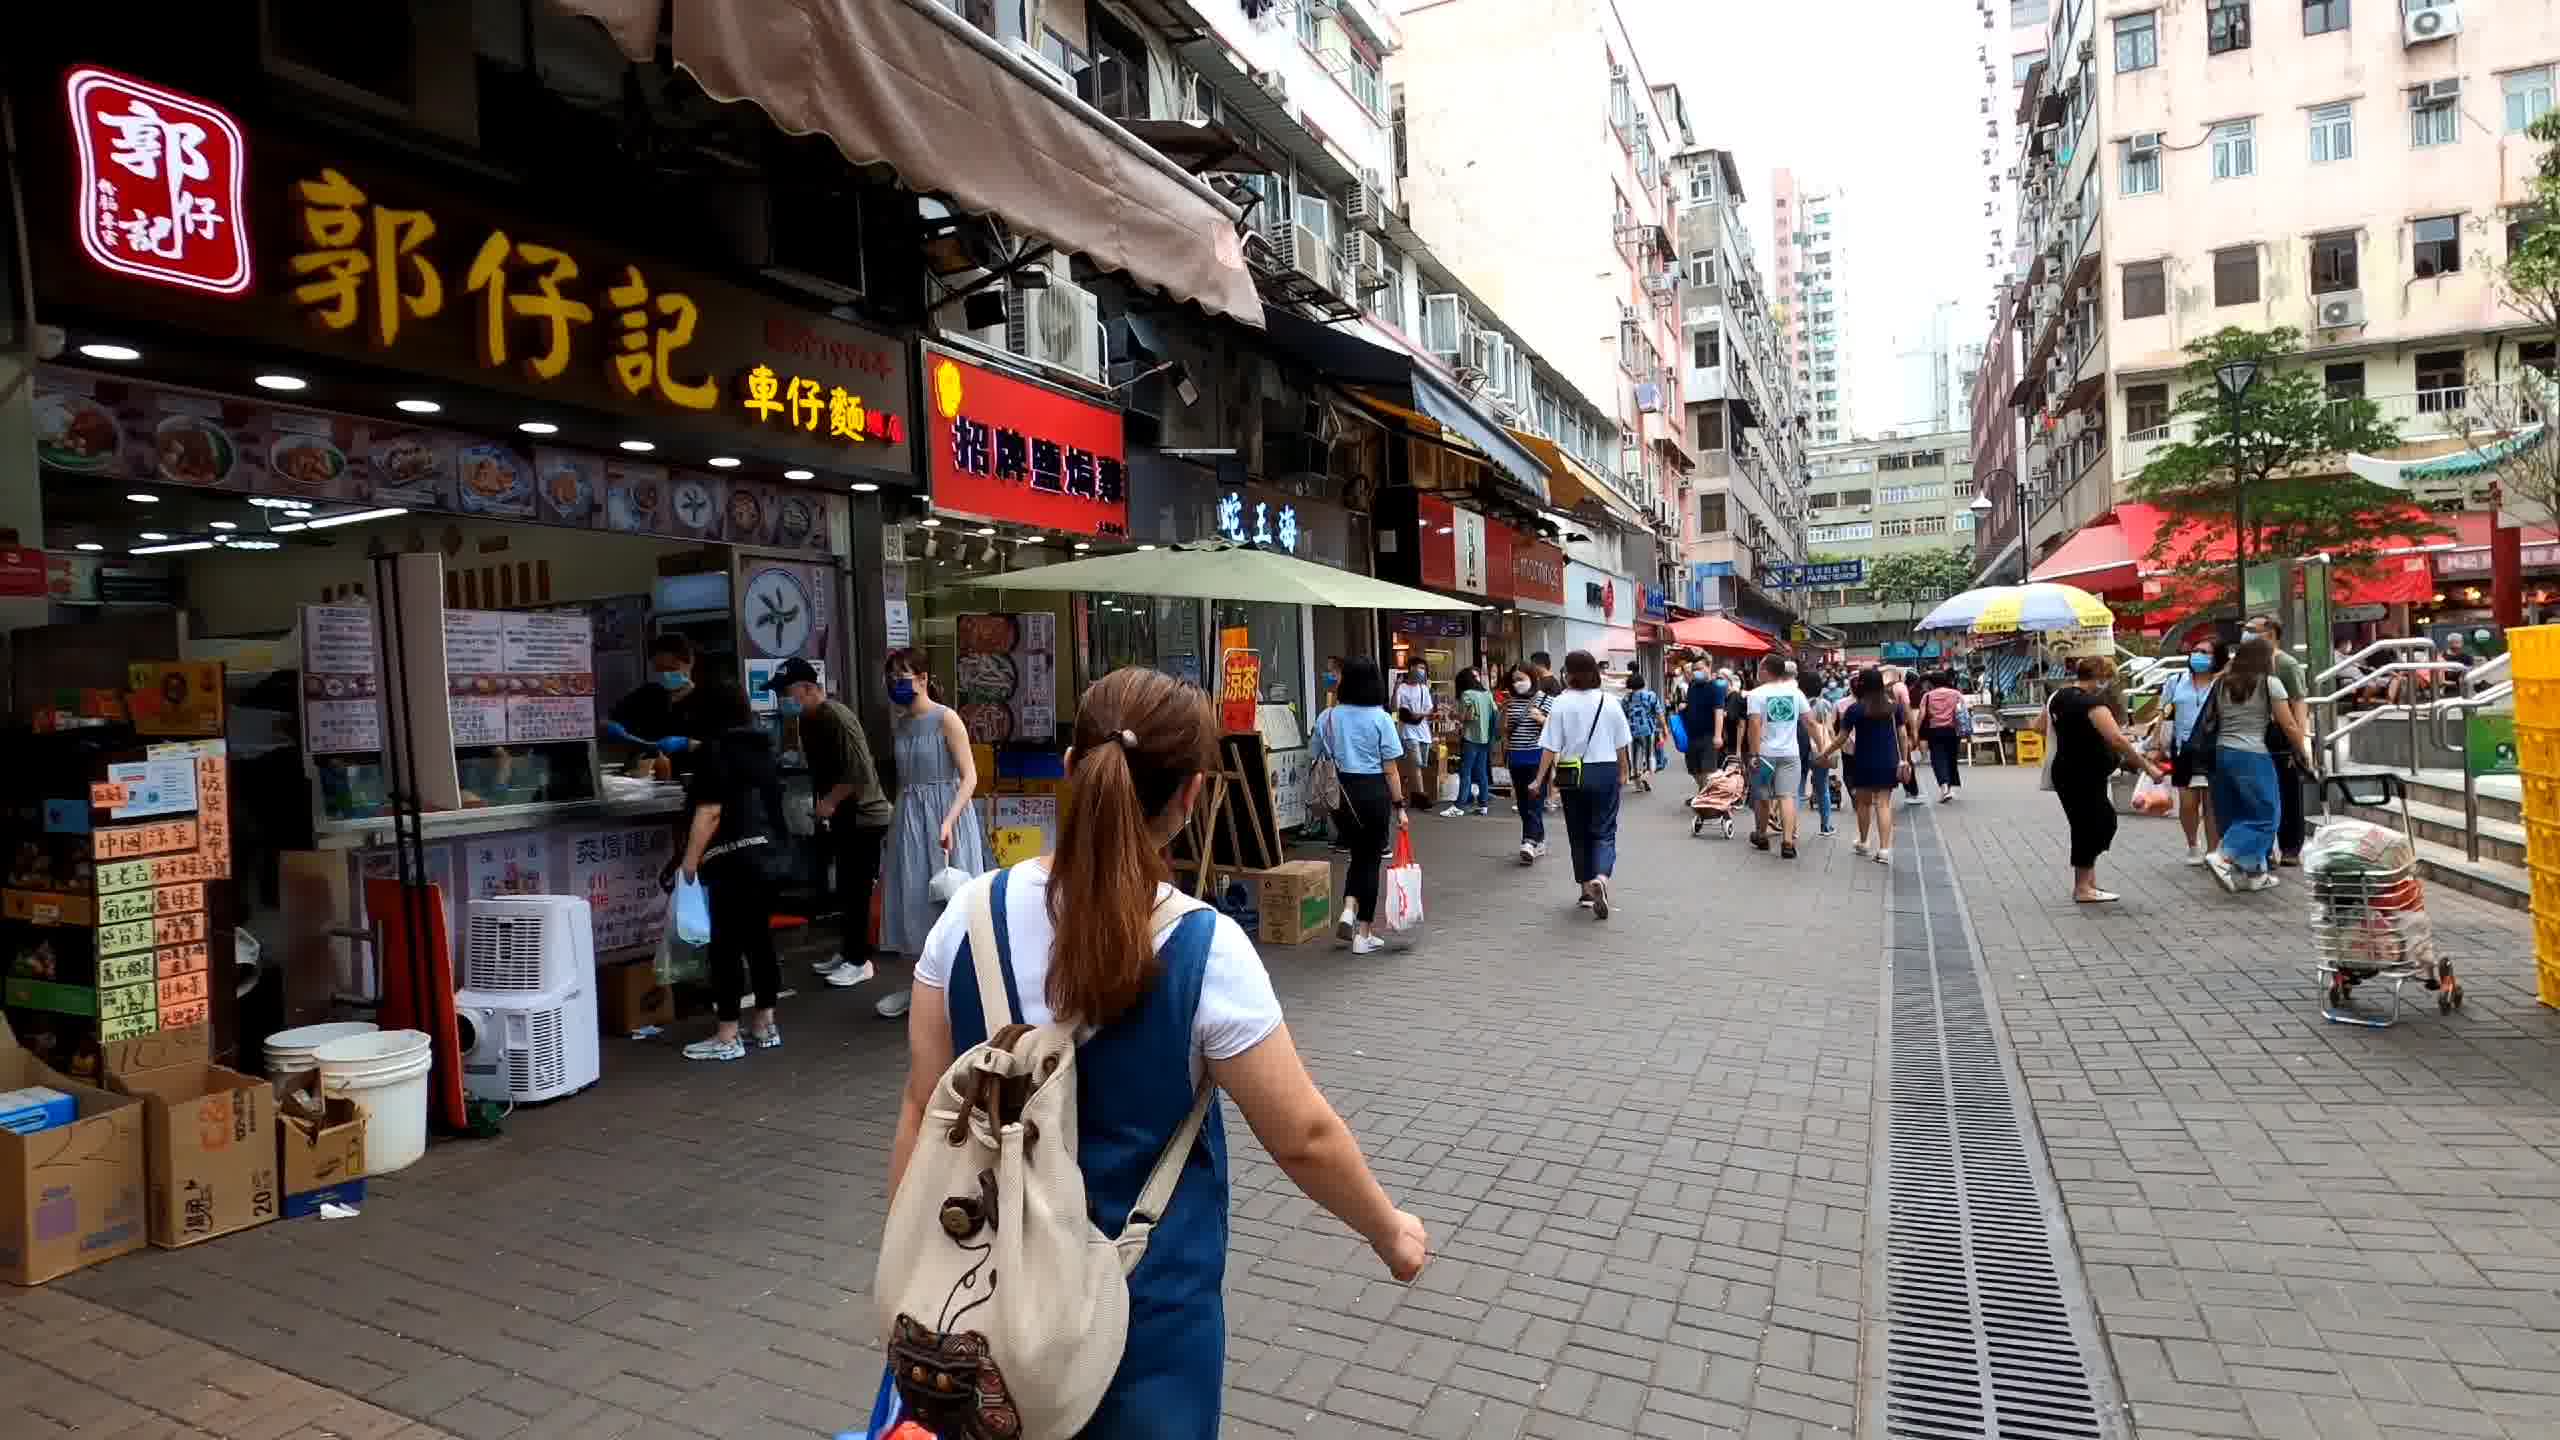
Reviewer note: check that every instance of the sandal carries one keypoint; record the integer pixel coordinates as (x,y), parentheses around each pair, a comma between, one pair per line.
(2102,897)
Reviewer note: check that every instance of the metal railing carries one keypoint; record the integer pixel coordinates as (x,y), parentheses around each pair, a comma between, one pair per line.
(2481,687)
(2475,688)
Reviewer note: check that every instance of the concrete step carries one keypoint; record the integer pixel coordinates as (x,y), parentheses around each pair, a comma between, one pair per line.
(2441,822)
(2501,797)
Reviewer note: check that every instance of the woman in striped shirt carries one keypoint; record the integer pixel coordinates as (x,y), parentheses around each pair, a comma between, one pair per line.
(1524,717)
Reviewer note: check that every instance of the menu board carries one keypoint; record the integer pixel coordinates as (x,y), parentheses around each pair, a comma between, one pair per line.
(1022,826)
(617,870)
(1008,676)
(517,864)
(341,681)
(519,678)
(153,966)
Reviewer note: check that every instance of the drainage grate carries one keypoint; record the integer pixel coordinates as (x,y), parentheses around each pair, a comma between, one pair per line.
(1989,1331)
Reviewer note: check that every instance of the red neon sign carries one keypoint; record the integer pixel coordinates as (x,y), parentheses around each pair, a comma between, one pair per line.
(162,180)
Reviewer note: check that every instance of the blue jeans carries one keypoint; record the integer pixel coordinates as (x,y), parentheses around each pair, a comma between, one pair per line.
(1475,773)
(1641,753)
(1591,821)
(1526,794)
(2247,807)
(1818,782)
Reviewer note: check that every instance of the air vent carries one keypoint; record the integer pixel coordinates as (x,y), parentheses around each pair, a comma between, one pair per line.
(503,955)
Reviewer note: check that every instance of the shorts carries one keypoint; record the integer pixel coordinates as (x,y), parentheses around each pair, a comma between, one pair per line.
(1777,777)
(1415,752)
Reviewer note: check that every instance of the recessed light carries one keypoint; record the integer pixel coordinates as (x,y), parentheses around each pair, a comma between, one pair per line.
(537,427)
(358,517)
(639,447)
(300,512)
(801,475)
(1444,530)
(418,407)
(860,487)
(88,545)
(1146,547)
(1084,544)
(717,462)
(277,502)
(143,497)
(257,544)
(930,521)
(286,383)
(153,535)
(226,525)
(986,530)
(100,351)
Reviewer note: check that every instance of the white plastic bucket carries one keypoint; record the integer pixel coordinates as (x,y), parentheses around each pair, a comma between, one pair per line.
(289,1051)
(386,1073)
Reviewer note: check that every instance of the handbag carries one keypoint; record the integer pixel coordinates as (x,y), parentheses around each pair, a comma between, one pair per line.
(1400,891)
(1569,772)
(2205,740)
(1324,777)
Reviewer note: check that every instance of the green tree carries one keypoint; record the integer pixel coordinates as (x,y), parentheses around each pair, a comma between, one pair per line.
(2278,454)
(1918,579)
(2528,474)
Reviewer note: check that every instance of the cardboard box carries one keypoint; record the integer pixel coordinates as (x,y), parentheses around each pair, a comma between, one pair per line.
(320,1146)
(1296,899)
(73,1195)
(630,998)
(208,1136)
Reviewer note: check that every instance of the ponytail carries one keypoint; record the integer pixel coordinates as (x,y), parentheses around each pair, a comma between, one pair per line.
(1140,736)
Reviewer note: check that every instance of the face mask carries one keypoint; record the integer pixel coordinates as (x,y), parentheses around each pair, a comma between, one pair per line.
(1519,687)
(674,679)
(903,691)
(2200,664)
(790,707)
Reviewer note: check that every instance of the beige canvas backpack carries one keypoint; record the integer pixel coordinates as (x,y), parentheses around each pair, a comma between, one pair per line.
(1005,1307)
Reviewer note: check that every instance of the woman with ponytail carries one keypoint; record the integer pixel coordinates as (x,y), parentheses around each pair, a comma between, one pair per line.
(1167,996)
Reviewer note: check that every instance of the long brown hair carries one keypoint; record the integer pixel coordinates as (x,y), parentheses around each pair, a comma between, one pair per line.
(1140,736)
(2249,665)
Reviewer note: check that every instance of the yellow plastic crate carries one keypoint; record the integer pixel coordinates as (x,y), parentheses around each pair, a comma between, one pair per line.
(2547,984)
(2538,703)
(2546,950)
(2541,797)
(2546,891)
(2536,649)
(2542,843)
(2538,750)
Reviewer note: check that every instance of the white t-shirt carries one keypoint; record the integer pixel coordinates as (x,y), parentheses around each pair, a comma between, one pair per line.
(1237,1008)
(1778,705)
(1587,725)
(1416,698)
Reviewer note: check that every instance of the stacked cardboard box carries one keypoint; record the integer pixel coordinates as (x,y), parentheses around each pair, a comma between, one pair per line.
(70,1195)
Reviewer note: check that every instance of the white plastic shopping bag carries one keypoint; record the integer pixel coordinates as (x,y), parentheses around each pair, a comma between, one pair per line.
(689,910)
(2155,797)
(1400,893)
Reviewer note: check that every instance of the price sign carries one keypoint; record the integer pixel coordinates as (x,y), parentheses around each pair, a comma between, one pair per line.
(123,842)
(183,959)
(131,935)
(128,905)
(129,1000)
(106,794)
(176,990)
(179,1017)
(141,1022)
(123,875)
(1239,691)
(119,970)
(178,899)
(178,929)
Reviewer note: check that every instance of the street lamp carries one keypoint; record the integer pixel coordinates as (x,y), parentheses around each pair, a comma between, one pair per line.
(1982,509)
(2235,377)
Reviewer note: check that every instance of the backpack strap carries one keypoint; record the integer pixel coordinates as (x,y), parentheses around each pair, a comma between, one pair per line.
(1157,1193)
(986,951)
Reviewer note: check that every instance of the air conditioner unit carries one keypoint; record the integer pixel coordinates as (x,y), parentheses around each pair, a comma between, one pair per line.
(526,1011)
(2339,309)
(1302,250)
(1058,325)
(2435,92)
(1029,54)
(2142,145)
(2435,22)
(1366,207)
(1273,84)
(1359,251)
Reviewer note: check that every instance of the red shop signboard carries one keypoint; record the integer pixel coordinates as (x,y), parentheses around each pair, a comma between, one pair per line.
(1499,541)
(1010,450)
(1537,571)
(162,181)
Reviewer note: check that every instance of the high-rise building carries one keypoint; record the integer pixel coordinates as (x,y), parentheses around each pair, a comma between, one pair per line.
(1872,498)
(1928,364)
(1812,270)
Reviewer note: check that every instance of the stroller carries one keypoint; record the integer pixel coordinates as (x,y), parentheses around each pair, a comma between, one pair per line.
(1724,793)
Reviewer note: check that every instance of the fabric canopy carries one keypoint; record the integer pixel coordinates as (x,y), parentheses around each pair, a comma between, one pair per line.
(1216,571)
(1716,633)
(2098,559)
(907,84)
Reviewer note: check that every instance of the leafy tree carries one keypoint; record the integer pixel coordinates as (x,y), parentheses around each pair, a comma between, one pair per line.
(2278,455)
(2529,284)
(1918,579)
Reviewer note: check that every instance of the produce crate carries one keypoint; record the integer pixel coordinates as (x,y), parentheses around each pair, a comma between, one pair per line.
(2541,797)
(2536,652)
(2546,891)
(2546,962)
(2547,983)
(2538,703)
(2538,751)
(2542,842)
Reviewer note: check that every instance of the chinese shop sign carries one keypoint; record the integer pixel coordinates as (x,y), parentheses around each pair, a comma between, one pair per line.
(1006,449)
(161,184)
(1453,546)
(1262,524)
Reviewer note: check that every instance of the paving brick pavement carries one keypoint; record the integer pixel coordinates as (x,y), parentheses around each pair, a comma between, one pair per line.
(2291,1228)
(1642,1147)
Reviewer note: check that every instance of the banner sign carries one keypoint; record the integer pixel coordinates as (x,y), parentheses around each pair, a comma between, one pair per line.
(1833,575)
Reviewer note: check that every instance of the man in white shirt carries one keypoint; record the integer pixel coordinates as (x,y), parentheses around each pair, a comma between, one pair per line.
(1412,707)
(1776,707)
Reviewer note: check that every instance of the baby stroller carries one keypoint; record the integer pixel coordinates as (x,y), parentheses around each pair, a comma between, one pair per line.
(1724,793)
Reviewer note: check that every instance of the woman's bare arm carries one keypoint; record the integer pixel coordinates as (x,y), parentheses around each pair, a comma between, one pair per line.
(928,1055)
(1316,1150)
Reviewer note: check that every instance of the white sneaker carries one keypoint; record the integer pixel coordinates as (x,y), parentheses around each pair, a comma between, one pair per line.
(830,964)
(1367,945)
(2195,855)
(1453,812)
(1858,847)
(1484,810)
(1542,849)
(716,1049)
(2224,873)
(1528,852)
(2263,880)
(1883,857)
(893,1006)
(846,976)
(1348,927)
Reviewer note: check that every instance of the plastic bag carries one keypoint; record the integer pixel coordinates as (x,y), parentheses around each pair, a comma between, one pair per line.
(1679,732)
(689,910)
(2155,797)
(677,963)
(1400,893)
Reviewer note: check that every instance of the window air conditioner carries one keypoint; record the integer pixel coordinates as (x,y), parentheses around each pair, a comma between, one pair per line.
(1058,325)
(1273,84)
(2144,145)
(2339,309)
(2434,91)
(2435,22)
(1303,251)
(1366,207)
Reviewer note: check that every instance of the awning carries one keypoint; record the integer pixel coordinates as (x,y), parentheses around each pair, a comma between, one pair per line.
(2099,559)
(1217,571)
(909,85)
(1568,491)
(1717,634)
(1346,359)
(1451,409)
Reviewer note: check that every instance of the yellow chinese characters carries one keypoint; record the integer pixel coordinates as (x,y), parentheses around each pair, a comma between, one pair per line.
(762,388)
(550,269)
(844,414)
(647,358)
(808,404)
(335,221)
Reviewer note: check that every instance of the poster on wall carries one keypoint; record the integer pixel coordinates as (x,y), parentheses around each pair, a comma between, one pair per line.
(519,678)
(1239,690)
(1023,826)
(899,632)
(617,871)
(341,680)
(1008,677)
(786,608)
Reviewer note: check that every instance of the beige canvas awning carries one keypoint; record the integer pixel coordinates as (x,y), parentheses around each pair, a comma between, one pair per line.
(907,84)
(1213,571)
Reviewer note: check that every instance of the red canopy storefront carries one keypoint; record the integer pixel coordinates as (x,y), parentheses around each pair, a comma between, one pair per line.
(2110,558)
(1717,635)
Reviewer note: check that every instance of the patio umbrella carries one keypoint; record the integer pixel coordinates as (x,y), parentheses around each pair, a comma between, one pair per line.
(2008,609)
(1716,633)
(1214,570)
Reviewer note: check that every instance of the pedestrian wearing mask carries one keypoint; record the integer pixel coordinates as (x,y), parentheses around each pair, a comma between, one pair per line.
(1584,750)
(1166,998)
(2289,776)
(669,714)
(1360,738)
(934,826)
(737,846)
(1475,765)
(1524,719)
(2181,705)
(2088,745)
(851,806)
(1413,707)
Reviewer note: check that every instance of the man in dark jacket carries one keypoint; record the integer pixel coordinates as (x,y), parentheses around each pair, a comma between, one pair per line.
(1698,711)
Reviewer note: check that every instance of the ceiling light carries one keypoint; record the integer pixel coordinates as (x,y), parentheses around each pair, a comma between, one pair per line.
(287,529)
(716,462)
(986,530)
(278,502)
(860,487)
(143,497)
(639,447)
(303,513)
(257,544)
(153,535)
(1084,544)
(418,407)
(1444,530)
(1146,547)
(286,383)
(226,524)
(88,545)
(170,549)
(805,475)
(356,517)
(930,521)
(110,352)
(537,427)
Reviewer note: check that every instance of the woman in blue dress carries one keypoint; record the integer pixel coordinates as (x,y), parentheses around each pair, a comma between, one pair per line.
(1874,729)
(1164,1006)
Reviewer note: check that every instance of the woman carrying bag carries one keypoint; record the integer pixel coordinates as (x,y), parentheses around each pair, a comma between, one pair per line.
(1584,749)
(738,848)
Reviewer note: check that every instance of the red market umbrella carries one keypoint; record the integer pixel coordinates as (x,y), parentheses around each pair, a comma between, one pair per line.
(1716,633)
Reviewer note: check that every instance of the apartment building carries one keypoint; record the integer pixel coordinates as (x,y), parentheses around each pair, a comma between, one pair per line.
(1873,498)
(1747,495)
(1997,440)
(1812,272)
(2347,169)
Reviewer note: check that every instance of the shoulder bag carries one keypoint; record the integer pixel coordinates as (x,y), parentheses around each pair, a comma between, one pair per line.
(1569,771)
(1324,777)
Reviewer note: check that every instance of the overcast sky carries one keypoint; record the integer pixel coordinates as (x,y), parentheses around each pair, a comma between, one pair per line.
(1881,97)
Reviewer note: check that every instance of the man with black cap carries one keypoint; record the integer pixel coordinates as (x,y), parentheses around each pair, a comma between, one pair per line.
(852,806)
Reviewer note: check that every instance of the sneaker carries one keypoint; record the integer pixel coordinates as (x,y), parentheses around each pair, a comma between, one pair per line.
(2195,855)
(1367,945)
(1856,847)
(1945,795)
(845,977)
(2224,872)
(893,1006)
(769,1038)
(1528,851)
(716,1049)
(1484,810)
(1600,899)
(1453,812)
(829,965)
(1787,850)
(1348,927)
(1828,832)
(1883,857)
(2293,861)
(2263,880)
(1759,841)
(1584,903)
(1542,849)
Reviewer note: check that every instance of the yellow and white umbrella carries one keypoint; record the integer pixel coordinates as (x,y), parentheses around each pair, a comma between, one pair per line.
(2010,609)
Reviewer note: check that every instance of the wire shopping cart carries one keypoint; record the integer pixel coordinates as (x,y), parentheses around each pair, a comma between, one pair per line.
(2369,919)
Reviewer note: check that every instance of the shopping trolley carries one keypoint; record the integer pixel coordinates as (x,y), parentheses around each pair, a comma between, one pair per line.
(2369,919)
